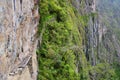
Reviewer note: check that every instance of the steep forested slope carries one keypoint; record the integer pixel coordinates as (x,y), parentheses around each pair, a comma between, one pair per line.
(62,32)
(73,43)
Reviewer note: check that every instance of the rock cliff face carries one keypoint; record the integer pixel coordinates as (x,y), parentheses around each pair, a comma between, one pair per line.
(102,43)
(18,26)
(92,30)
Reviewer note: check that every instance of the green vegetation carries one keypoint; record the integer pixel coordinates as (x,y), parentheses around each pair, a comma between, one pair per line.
(62,32)
(62,35)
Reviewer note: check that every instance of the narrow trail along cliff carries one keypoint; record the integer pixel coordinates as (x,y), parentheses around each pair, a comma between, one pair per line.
(18,26)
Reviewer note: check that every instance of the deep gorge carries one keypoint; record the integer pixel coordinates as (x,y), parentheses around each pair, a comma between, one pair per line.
(59,40)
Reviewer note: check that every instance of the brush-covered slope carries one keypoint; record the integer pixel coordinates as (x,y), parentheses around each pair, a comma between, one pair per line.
(72,44)
(61,31)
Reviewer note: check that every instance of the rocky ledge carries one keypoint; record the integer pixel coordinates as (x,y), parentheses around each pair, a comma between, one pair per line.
(18,26)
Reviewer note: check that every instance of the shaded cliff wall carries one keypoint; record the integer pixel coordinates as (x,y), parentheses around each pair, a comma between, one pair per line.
(88,9)
(109,17)
(101,46)
(18,25)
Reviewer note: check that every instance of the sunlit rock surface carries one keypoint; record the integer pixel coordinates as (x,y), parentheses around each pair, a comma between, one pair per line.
(18,26)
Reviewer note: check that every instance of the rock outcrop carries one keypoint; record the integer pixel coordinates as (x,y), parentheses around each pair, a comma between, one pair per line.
(18,26)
